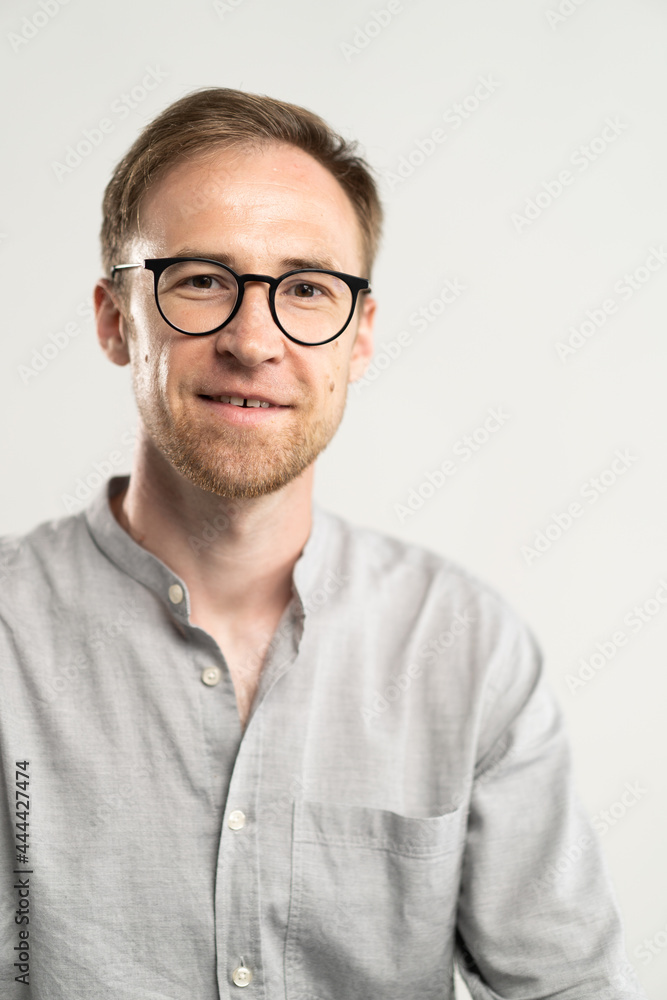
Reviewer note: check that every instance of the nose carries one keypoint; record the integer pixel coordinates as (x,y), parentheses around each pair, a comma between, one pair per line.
(252,336)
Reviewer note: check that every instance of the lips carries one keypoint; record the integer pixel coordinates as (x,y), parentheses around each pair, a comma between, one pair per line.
(237,399)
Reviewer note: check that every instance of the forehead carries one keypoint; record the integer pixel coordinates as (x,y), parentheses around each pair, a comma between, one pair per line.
(265,202)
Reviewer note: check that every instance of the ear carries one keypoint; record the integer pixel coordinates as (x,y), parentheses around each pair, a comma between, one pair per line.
(111,325)
(362,348)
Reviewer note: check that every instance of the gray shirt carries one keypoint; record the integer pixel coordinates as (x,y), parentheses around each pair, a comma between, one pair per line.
(401,796)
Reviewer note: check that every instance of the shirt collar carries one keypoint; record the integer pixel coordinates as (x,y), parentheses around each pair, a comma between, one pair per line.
(145,567)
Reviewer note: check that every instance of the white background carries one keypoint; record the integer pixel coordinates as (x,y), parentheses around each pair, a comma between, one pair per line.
(454,216)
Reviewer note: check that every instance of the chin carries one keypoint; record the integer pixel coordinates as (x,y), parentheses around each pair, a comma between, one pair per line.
(254,479)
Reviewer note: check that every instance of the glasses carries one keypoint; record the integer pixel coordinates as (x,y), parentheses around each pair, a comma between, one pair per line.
(197,296)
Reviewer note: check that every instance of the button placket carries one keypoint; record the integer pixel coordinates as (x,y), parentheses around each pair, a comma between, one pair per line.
(237,899)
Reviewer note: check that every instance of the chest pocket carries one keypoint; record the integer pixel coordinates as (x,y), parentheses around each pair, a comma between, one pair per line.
(373,903)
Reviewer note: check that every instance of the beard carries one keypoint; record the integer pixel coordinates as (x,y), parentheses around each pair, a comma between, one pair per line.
(231,461)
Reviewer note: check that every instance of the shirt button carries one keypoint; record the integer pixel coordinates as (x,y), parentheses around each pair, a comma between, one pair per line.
(211,675)
(236,820)
(176,593)
(241,975)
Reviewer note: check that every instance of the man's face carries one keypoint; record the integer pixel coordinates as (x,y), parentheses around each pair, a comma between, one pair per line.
(263,209)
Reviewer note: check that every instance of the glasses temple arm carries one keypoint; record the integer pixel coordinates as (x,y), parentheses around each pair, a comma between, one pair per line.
(122,267)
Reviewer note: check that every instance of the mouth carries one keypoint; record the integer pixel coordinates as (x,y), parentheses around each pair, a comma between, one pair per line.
(240,401)
(240,409)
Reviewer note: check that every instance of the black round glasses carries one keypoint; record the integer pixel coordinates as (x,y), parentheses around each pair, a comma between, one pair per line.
(197,296)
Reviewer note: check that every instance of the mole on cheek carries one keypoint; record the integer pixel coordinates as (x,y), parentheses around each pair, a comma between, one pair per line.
(146,358)
(332,386)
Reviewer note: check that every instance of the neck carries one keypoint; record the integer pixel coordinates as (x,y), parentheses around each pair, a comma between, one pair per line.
(236,556)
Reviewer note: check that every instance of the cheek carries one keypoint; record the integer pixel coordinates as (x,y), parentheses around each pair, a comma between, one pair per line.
(154,370)
(164,369)
(142,312)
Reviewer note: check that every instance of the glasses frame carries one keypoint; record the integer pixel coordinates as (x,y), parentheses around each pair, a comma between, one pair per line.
(358,286)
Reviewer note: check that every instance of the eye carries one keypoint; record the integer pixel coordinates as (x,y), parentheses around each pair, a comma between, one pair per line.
(304,290)
(202,281)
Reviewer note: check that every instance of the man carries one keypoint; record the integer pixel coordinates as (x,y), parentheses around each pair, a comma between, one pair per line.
(247,745)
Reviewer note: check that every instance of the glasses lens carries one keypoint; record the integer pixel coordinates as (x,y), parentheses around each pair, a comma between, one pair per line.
(313,307)
(196,296)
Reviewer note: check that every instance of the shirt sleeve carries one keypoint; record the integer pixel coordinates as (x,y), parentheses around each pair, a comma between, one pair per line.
(537,917)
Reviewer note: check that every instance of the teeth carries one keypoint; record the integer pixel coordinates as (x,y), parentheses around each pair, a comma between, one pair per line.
(238,401)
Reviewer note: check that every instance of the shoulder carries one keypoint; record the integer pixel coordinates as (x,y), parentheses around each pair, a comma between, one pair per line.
(428,613)
(40,560)
(422,581)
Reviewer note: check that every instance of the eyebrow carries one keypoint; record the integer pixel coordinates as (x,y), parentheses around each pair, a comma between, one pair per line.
(324,262)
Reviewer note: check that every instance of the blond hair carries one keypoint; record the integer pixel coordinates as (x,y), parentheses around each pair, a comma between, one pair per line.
(209,119)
